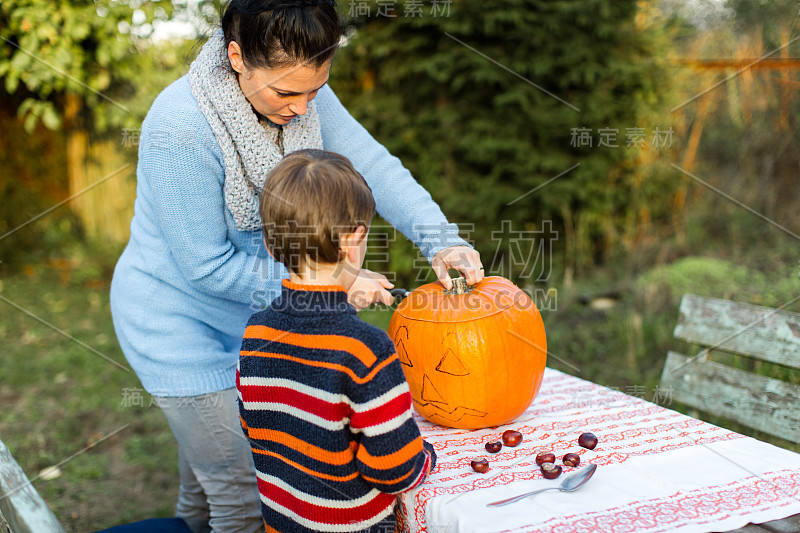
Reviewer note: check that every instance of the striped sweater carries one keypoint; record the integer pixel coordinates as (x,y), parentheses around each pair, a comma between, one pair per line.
(326,407)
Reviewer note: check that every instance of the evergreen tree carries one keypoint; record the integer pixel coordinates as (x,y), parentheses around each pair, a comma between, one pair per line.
(486,103)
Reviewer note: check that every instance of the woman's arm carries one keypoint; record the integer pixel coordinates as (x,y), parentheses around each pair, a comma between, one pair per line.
(402,201)
(181,176)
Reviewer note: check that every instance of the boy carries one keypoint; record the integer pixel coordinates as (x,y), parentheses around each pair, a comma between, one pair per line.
(322,395)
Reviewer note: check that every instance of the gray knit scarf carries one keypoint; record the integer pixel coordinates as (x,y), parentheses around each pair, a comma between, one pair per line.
(250,148)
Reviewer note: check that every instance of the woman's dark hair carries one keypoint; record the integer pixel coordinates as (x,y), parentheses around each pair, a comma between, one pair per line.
(279,33)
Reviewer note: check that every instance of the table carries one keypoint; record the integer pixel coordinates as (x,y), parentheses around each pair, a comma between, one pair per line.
(658,470)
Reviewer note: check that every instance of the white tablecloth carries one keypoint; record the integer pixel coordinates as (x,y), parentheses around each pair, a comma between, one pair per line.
(658,470)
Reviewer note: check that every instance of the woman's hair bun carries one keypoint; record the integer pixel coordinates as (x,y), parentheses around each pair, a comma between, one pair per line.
(278,33)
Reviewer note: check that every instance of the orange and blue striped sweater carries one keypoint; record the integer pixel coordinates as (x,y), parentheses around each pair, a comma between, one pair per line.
(327,410)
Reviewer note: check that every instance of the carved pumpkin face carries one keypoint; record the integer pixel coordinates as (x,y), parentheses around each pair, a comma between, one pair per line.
(472,360)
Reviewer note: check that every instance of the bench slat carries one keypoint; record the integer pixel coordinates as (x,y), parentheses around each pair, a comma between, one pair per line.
(762,403)
(751,528)
(20,504)
(751,330)
(784,525)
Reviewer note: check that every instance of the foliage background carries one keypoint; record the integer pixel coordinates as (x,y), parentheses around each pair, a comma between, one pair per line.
(634,232)
(480,136)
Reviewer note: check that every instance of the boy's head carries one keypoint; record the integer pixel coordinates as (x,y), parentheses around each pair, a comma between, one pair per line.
(309,201)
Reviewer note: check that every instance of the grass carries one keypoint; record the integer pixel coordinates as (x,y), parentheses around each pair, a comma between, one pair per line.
(61,398)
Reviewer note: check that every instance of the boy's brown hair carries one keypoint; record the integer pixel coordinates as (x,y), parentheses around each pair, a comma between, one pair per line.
(308,201)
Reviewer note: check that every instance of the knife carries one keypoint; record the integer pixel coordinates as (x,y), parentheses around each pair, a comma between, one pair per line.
(399,293)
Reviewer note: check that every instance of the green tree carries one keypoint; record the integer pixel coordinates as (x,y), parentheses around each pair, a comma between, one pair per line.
(770,18)
(483,103)
(76,57)
(89,68)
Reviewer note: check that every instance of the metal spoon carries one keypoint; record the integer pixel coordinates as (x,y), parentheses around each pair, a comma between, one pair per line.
(570,483)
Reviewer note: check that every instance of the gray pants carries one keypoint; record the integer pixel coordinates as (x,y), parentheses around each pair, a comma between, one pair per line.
(218,491)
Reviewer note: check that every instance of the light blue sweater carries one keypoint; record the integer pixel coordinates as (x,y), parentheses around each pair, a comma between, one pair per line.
(189,280)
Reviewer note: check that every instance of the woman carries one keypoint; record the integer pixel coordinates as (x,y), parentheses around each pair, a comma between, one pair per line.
(195,265)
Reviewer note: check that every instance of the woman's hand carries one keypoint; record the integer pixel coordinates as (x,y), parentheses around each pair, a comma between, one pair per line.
(368,288)
(462,258)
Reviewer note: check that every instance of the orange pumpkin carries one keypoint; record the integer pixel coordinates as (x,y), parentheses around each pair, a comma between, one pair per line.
(474,356)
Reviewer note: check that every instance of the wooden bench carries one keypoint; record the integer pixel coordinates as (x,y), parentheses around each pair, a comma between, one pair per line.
(22,509)
(756,401)
(761,333)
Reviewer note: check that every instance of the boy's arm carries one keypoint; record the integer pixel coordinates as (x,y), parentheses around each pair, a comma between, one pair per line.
(242,413)
(390,456)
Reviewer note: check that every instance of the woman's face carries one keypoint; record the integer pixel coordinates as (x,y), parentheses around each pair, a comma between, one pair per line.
(278,94)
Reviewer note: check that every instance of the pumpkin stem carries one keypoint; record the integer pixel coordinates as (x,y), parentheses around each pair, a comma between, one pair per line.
(459,285)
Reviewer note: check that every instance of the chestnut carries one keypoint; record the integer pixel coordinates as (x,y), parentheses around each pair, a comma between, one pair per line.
(511,437)
(479,464)
(587,440)
(545,457)
(493,446)
(550,470)
(571,459)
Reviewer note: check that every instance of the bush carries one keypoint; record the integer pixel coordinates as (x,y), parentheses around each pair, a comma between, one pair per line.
(707,276)
(19,205)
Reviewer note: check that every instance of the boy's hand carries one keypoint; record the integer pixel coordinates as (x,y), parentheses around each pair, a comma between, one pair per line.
(462,258)
(368,288)
(431,451)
